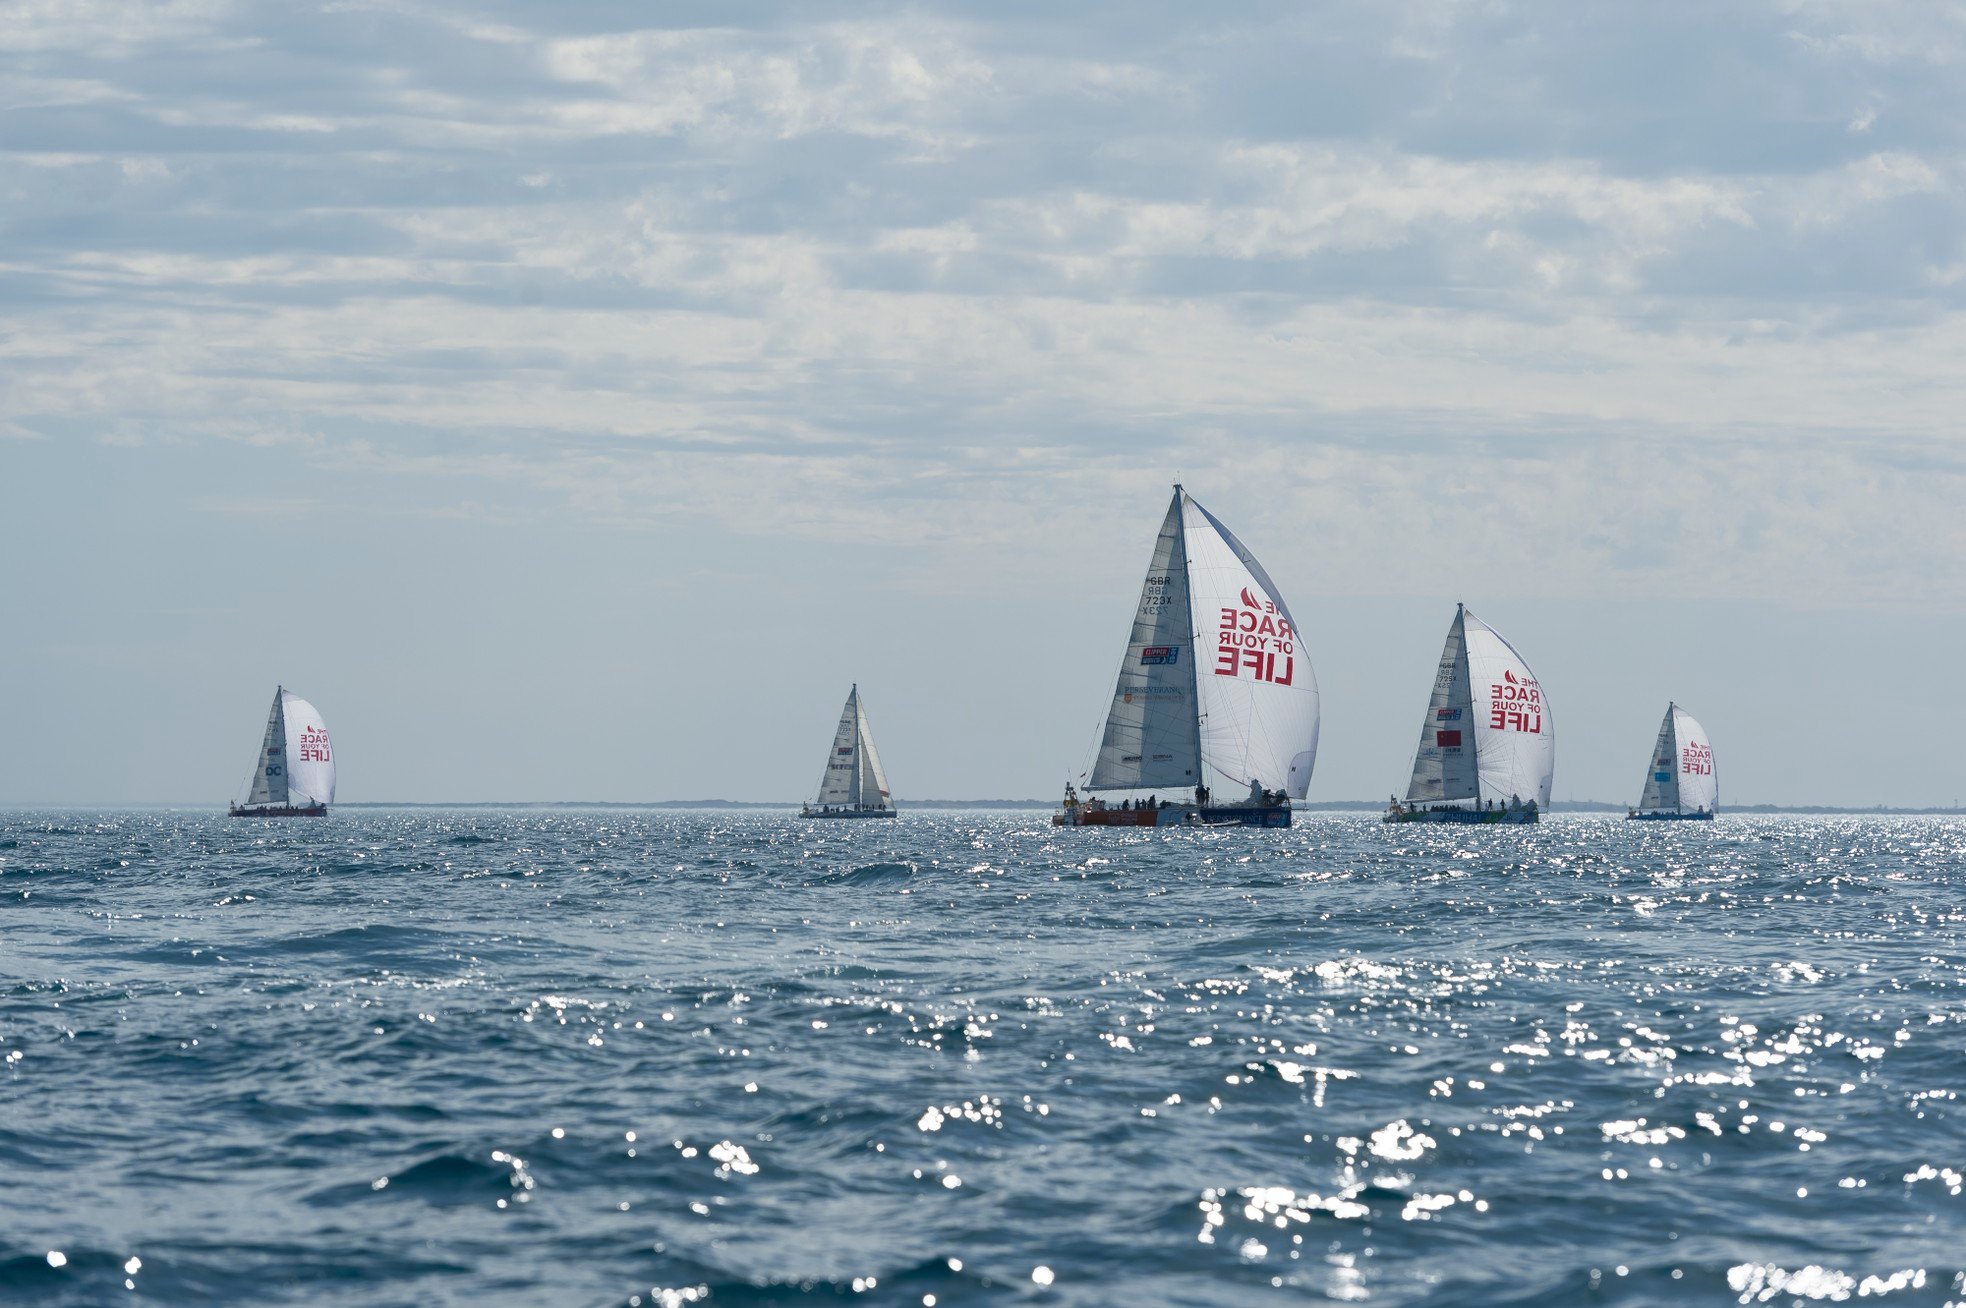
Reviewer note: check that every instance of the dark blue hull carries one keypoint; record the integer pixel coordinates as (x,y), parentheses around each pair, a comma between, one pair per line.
(1473,817)
(1669,817)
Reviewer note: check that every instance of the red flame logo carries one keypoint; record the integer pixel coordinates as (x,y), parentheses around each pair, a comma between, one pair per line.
(1508,676)
(1248,600)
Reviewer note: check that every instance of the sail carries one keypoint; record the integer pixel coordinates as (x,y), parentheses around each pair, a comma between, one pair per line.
(1257,695)
(310,755)
(1444,765)
(1515,736)
(1151,739)
(839,784)
(1699,788)
(871,782)
(270,773)
(1662,775)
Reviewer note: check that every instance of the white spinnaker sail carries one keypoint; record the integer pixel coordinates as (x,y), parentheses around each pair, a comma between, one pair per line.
(1444,764)
(1662,775)
(1151,739)
(310,754)
(1699,786)
(1515,737)
(1257,694)
(871,782)
(840,783)
(270,773)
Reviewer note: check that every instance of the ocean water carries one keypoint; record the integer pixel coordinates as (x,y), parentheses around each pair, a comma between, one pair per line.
(620,1057)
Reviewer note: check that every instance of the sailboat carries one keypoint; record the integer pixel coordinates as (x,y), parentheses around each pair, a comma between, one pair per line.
(853,785)
(295,773)
(1215,694)
(1488,744)
(1680,783)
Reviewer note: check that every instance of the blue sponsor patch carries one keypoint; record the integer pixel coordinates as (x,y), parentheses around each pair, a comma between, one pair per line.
(1448,714)
(1160,654)
(1662,776)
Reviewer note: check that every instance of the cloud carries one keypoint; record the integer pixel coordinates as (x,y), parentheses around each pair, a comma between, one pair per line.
(1670,295)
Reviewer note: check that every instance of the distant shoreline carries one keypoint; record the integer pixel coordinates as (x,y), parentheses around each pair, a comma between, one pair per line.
(1316,806)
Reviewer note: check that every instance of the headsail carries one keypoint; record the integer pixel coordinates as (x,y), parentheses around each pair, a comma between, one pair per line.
(871,783)
(1515,736)
(310,754)
(1258,696)
(1444,764)
(1152,740)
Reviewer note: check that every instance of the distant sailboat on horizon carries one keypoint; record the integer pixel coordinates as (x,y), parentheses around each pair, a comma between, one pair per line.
(294,776)
(1679,783)
(1247,718)
(853,785)
(1488,745)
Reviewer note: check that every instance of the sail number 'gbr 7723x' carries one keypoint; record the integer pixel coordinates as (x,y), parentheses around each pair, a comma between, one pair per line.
(1256,639)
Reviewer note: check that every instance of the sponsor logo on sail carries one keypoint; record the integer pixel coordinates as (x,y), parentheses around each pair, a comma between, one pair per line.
(1697,759)
(844,749)
(1515,704)
(1448,714)
(1255,641)
(1662,776)
(1161,654)
(1448,739)
(314,745)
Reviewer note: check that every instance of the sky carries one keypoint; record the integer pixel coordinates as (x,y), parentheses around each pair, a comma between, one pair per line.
(572,401)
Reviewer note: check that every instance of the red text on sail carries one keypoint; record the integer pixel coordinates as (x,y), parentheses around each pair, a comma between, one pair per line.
(1255,639)
(1515,705)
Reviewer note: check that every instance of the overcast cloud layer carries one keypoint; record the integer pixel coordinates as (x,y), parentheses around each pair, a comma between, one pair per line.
(721,355)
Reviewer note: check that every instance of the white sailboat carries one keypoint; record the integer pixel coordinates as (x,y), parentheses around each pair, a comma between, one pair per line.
(1488,744)
(853,785)
(1680,781)
(294,776)
(1216,699)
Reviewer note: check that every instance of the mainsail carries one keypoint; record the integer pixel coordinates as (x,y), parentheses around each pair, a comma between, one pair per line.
(853,776)
(296,758)
(1488,735)
(1680,778)
(1215,688)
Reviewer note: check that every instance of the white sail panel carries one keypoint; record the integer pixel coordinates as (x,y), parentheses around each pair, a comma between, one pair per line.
(310,754)
(1150,741)
(839,784)
(871,782)
(1699,787)
(1257,693)
(1444,764)
(270,772)
(1662,771)
(1515,736)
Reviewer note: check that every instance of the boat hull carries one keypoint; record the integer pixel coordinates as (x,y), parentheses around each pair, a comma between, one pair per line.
(1474,817)
(1669,817)
(280,811)
(1175,815)
(848,813)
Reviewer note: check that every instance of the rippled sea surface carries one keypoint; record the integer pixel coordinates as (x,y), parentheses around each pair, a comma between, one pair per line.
(564,1056)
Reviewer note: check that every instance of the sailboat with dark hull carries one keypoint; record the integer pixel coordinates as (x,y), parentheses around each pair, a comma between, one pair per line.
(1216,701)
(294,776)
(853,785)
(1680,785)
(1488,744)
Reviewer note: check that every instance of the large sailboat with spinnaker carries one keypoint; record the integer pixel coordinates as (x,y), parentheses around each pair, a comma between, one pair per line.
(1214,720)
(1680,783)
(853,785)
(294,775)
(1488,745)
